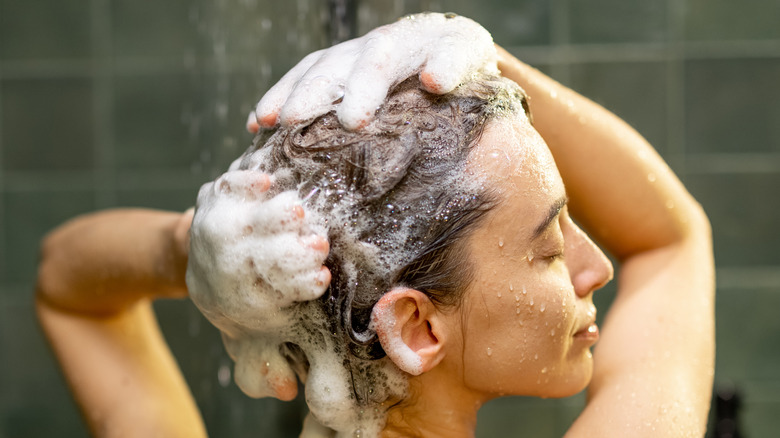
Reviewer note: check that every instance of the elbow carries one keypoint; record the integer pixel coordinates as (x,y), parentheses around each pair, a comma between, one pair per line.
(695,225)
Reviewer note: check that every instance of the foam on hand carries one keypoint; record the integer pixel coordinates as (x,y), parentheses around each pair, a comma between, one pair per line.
(354,77)
(256,272)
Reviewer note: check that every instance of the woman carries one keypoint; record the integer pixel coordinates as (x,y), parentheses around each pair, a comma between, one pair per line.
(521,321)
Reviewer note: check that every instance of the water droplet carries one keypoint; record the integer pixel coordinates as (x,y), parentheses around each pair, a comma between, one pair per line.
(542,307)
(669,204)
(651,177)
(489,351)
(531,302)
(517,310)
(498,294)
(552,332)
(510,287)
(524,292)
(536,357)
(517,298)
(500,242)
(544,370)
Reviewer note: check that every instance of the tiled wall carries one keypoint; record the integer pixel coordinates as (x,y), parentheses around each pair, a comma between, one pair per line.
(109,103)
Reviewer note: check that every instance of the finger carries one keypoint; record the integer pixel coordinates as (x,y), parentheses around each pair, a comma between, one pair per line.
(282,213)
(251,123)
(317,243)
(322,85)
(456,58)
(247,184)
(380,66)
(268,109)
(310,99)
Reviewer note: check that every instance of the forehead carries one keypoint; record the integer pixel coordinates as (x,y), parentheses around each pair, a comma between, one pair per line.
(514,161)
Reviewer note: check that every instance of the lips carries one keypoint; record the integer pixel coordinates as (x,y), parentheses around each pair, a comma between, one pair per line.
(588,332)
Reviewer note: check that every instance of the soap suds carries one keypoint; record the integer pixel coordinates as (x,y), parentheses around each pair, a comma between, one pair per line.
(307,196)
(353,77)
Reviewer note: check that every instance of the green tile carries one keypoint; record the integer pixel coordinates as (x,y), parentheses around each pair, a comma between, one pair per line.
(40,29)
(635,92)
(722,20)
(510,22)
(154,28)
(34,399)
(731,105)
(149,131)
(47,124)
(163,199)
(617,21)
(760,419)
(748,334)
(28,216)
(516,416)
(743,215)
(260,29)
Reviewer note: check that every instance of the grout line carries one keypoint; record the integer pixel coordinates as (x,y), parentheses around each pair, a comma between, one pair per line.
(3,262)
(560,52)
(64,181)
(104,156)
(675,88)
(730,163)
(559,40)
(748,277)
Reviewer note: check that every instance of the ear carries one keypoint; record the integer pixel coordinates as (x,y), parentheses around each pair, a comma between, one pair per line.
(410,330)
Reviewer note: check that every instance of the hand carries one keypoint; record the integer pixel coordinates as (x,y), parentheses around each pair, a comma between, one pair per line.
(356,75)
(254,253)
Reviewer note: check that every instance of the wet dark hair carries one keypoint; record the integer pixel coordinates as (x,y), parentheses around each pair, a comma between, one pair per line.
(397,198)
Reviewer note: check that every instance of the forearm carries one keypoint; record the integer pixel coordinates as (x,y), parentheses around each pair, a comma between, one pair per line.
(104,262)
(620,189)
(97,276)
(121,373)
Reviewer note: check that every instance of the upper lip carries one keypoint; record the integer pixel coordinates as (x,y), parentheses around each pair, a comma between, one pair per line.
(584,327)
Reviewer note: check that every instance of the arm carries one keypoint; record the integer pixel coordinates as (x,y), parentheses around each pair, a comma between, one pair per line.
(653,366)
(97,277)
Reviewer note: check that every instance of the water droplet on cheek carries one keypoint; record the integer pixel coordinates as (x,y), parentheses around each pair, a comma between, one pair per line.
(500,242)
(489,351)
(542,307)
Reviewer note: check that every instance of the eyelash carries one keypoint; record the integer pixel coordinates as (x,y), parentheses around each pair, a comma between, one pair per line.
(554,257)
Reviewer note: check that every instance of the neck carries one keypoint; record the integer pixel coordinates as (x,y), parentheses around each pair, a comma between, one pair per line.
(435,407)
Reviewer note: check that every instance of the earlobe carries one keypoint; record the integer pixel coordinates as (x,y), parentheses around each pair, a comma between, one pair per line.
(409,329)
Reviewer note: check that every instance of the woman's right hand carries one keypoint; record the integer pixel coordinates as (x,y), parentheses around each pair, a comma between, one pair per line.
(355,76)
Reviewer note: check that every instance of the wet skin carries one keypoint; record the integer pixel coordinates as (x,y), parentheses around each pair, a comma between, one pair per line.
(526,324)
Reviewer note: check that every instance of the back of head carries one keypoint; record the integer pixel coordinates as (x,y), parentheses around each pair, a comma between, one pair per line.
(395,201)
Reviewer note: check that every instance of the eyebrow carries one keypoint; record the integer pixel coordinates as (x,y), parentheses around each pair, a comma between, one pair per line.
(552,213)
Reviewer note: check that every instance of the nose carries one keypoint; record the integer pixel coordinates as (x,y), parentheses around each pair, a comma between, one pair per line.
(589,267)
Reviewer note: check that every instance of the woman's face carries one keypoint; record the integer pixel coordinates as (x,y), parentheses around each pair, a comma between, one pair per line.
(528,319)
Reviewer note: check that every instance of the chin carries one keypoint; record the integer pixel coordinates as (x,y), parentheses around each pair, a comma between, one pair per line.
(571,382)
